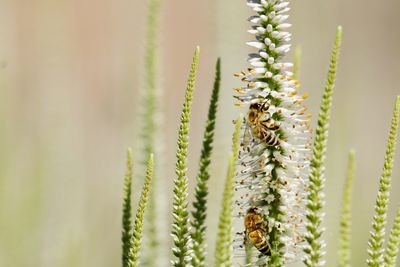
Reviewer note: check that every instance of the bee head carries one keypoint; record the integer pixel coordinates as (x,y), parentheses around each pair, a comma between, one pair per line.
(262,105)
(255,210)
(253,217)
(255,106)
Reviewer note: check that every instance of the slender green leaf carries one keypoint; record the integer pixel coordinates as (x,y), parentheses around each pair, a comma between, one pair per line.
(136,240)
(377,239)
(127,210)
(224,243)
(345,221)
(200,203)
(180,231)
(315,248)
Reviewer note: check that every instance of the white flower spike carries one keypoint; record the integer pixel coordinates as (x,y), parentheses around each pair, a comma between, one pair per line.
(276,143)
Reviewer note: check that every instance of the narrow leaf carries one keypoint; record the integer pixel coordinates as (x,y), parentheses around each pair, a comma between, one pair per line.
(180,232)
(136,240)
(127,210)
(200,203)
(345,221)
(377,239)
(314,249)
(224,243)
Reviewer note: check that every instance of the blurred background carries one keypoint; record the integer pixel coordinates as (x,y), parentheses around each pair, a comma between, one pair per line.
(71,75)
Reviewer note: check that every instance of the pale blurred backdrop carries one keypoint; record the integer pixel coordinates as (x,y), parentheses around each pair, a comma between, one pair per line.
(71,73)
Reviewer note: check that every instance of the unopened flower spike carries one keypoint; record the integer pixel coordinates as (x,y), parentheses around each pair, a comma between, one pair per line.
(275,144)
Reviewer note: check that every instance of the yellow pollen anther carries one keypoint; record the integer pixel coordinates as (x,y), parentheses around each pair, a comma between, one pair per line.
(239,90)
(302,111)
(239,104)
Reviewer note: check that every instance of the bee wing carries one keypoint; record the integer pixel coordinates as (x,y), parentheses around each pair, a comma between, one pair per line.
(247,242)
(247,135)
(248,247)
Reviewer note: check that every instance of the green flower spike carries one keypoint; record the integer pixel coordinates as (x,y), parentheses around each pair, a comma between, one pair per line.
(180,232)
(200,204)
(392,250)
(127,210)
(315,246)
(224,244)
(136,240)
(377,239)
(345,221)
(151,128)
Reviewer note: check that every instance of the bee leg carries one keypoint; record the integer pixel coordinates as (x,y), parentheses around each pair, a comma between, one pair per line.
(264,106)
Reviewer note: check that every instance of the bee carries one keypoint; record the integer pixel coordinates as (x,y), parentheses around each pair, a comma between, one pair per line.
(261,124)
(256,229)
